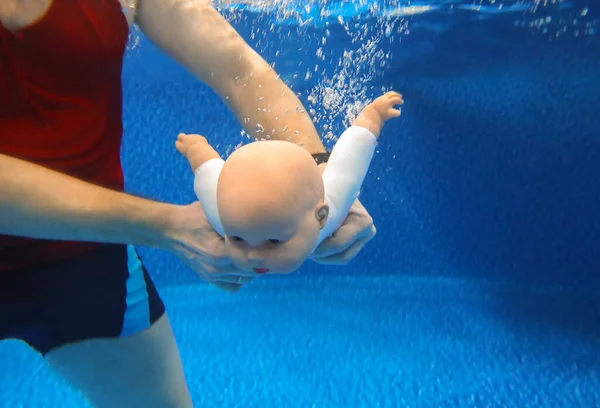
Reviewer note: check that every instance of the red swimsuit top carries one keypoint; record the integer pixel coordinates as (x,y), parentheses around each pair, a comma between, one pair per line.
(61,105)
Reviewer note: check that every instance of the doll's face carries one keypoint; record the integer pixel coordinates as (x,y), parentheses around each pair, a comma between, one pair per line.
(270,198)
(278,243)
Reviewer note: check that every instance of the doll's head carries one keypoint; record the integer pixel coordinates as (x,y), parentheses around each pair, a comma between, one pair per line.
(270,199)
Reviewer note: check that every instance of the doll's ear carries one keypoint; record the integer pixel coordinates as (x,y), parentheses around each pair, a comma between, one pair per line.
(321,213)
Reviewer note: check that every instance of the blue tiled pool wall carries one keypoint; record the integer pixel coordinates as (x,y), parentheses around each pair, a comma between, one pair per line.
(491,172)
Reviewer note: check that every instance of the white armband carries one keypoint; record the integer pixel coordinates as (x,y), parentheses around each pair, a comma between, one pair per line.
(205,187)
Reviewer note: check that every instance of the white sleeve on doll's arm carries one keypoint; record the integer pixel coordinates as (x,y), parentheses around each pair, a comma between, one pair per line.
(205,187)
(344,174)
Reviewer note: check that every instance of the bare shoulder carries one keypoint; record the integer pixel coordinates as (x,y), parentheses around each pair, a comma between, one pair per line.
(19,14)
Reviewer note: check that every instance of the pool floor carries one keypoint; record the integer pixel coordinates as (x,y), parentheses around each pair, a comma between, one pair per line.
(364,341)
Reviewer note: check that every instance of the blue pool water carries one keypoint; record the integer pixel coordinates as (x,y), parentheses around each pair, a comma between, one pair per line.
(482,287)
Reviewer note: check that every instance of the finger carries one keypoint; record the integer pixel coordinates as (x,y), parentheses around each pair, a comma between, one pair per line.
(213,256)
(228,287)
(209,271)
(397,100)
(348,255)
(345,236)
(394,113)
(180,146)
(216,272)
(237,279)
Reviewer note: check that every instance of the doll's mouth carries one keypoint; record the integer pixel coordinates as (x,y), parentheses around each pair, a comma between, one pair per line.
(261,270)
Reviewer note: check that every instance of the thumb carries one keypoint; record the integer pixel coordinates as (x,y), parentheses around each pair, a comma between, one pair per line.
(179,145)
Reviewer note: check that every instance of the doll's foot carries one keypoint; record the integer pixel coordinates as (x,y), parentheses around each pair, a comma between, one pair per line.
(196,149)
(185,142)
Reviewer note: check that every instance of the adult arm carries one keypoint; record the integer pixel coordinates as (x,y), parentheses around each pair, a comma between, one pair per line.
(203,41)
(198,37)
(37,202)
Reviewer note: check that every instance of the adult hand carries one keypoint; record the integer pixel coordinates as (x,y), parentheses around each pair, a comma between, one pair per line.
(348,240)
(191,237)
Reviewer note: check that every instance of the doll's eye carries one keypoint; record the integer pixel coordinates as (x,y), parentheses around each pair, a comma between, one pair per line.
(275,241)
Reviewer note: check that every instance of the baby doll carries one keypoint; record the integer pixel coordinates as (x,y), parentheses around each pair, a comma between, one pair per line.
(269,199)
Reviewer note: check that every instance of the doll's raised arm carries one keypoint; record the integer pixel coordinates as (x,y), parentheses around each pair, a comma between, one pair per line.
(351,157)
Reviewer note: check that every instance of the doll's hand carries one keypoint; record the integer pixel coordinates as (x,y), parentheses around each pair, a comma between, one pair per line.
(196,149)
(384,105)
(374,115)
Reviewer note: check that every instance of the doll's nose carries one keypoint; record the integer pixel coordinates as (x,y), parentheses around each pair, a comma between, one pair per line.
(255,257)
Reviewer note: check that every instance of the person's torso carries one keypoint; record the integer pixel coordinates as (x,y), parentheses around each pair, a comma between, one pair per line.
(61,102)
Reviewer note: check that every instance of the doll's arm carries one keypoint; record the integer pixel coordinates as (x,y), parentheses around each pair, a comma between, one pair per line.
(345,173)
(351,157)
(206,178)
(206,165)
